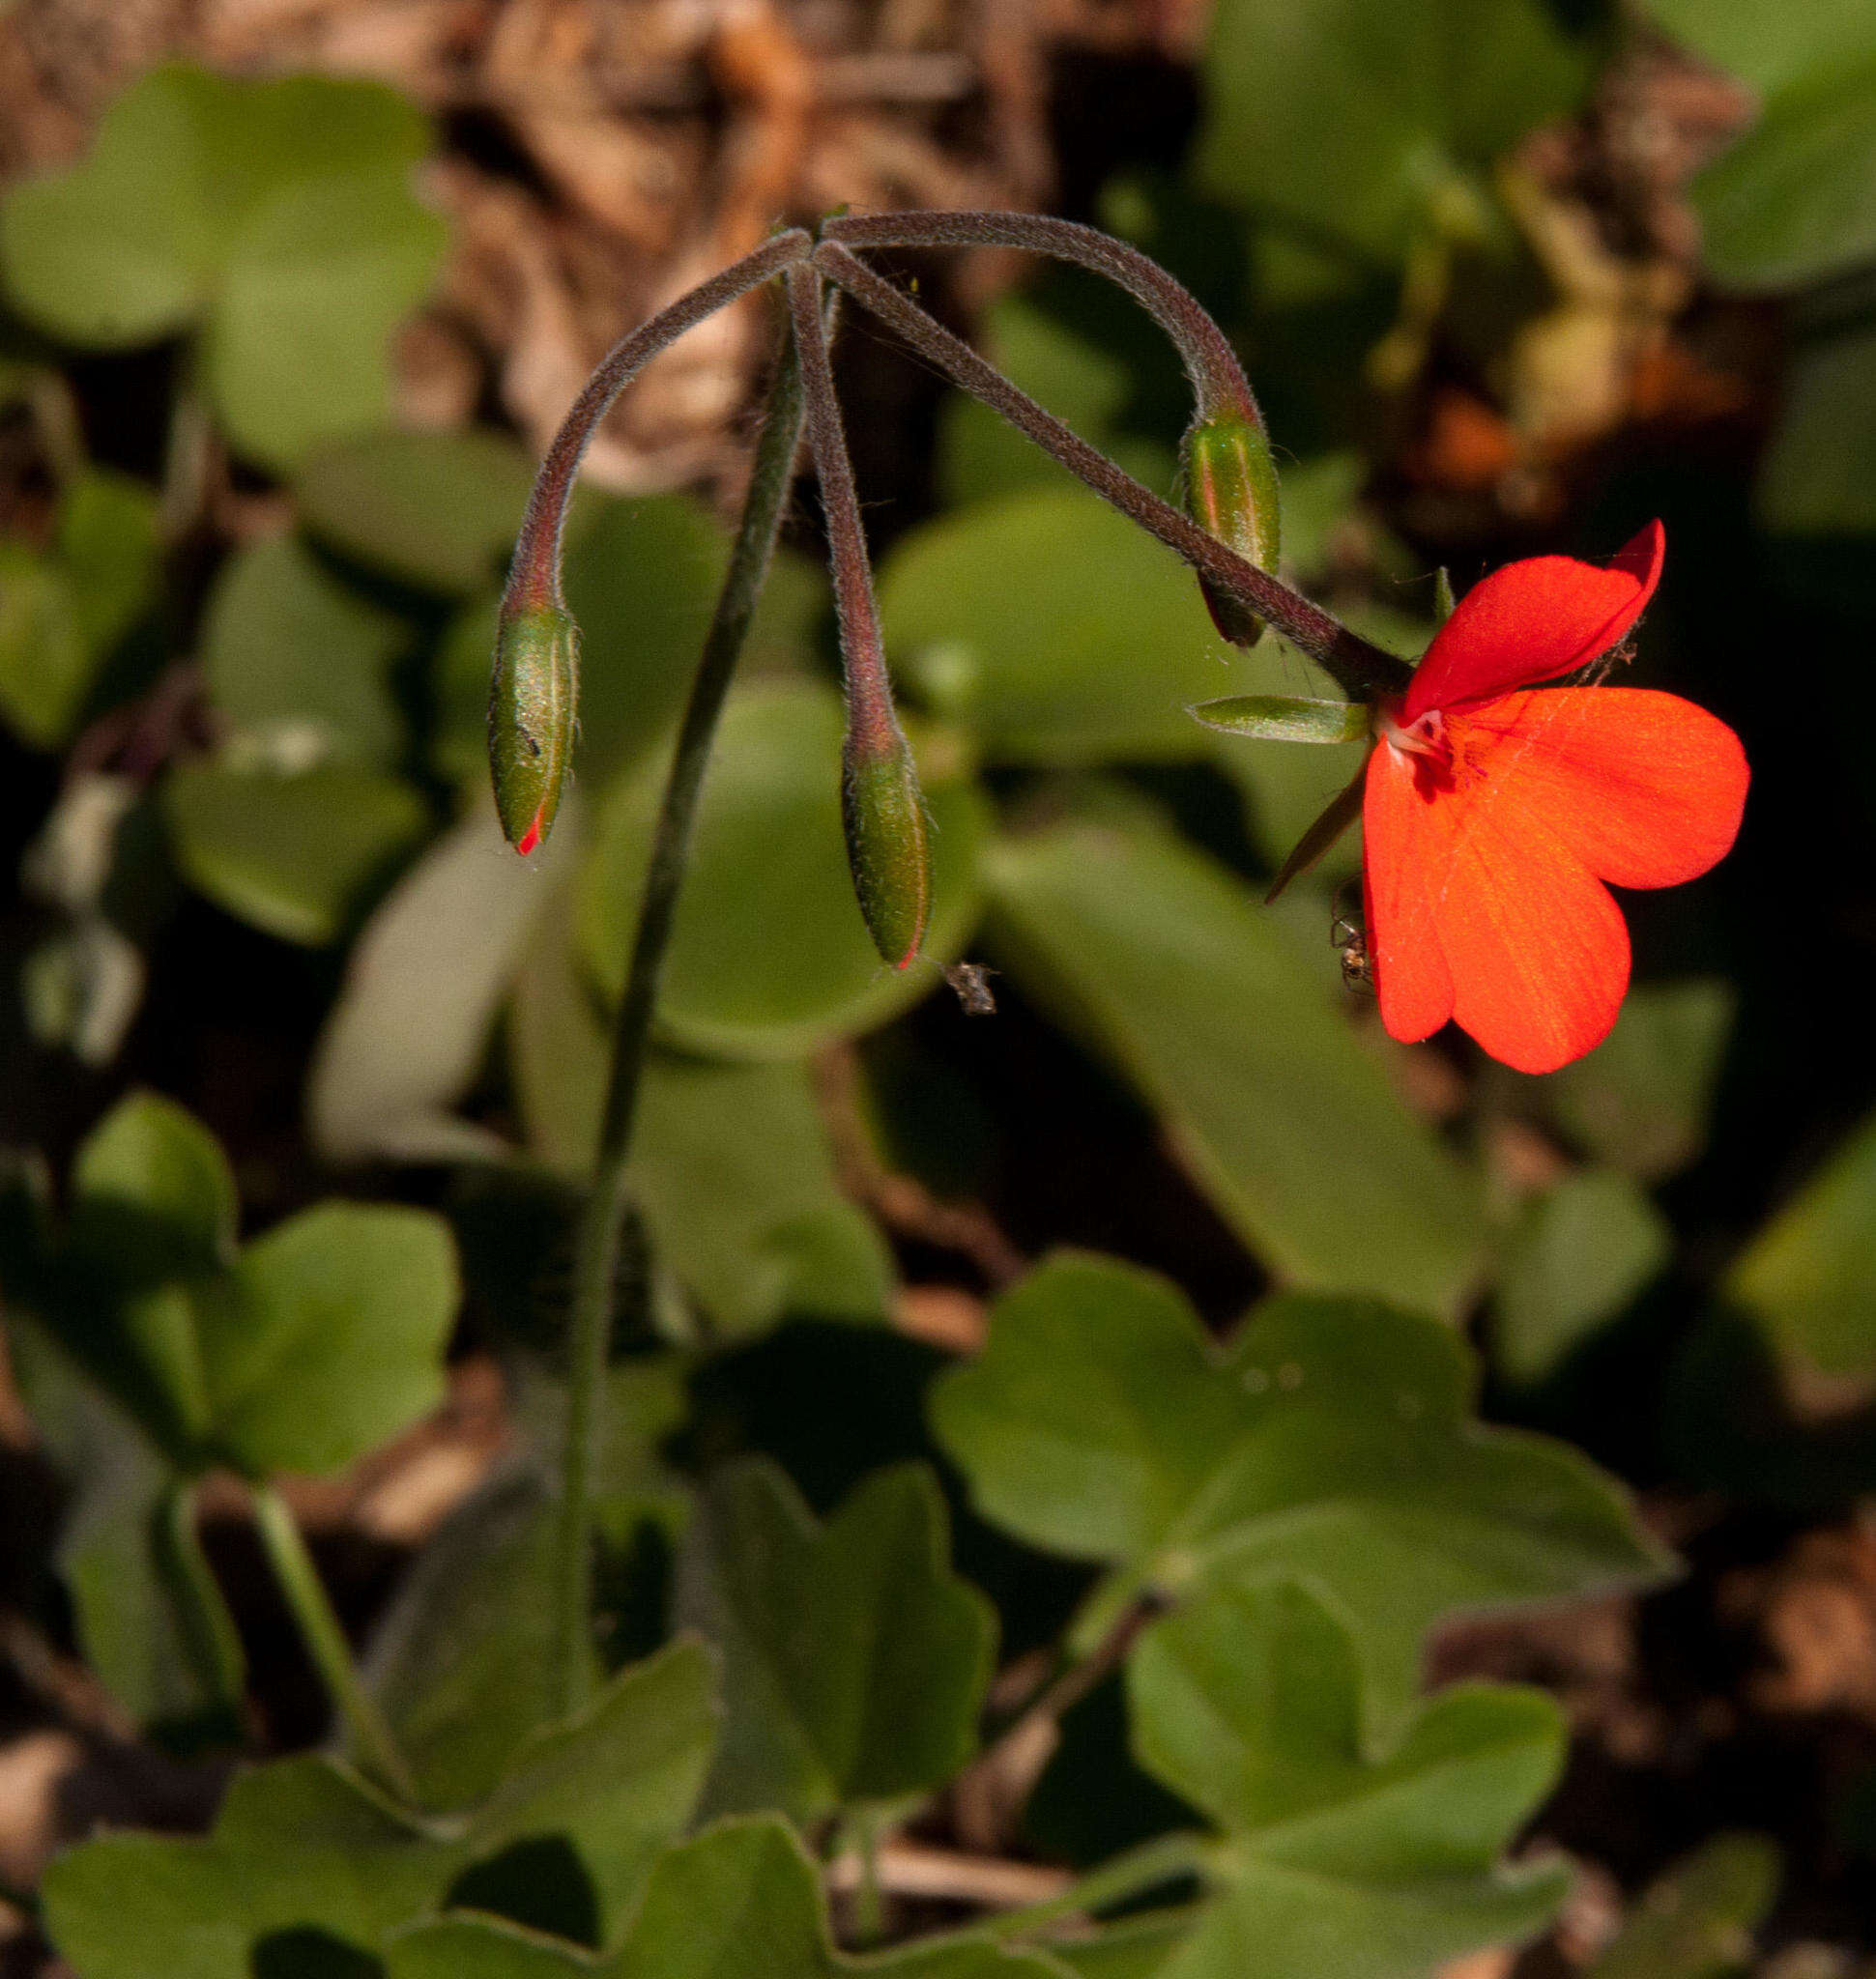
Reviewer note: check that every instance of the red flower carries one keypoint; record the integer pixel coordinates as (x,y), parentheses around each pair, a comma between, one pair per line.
(1492,816)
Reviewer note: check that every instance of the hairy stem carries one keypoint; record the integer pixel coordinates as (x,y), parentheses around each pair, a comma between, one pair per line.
(602,1221)
(534,575)
(1362,670)
(862,647)
(1218,379)
(325,1639)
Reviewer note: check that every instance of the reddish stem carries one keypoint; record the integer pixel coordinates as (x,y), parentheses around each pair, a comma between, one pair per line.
(534,575)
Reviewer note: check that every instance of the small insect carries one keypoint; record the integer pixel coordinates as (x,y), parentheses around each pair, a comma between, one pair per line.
(971,983)
(1348,937)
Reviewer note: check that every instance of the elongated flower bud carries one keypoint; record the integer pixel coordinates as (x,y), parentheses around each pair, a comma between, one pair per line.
(531,710)
(886,844)
(1232,493)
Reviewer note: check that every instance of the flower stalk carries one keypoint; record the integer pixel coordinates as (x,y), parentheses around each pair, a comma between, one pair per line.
(1363,669)
(602,1222)
(530,721)
(884,811)
(325,1639)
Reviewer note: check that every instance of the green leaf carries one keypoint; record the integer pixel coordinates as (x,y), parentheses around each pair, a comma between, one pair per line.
(1640,1100)
(456,1663)
(1278,718)
(299,345)
(298,663)
(1819,478)
(308,1862)
(1424,100)
(1769,46)
(1790,202)
(1156,957)
(1810,1276)
(62,613)
(770,957)
(1136,1948)
(153,1208)
(1580,1256)
(424,986)
(437,511)
(277,215)
(327,1339)
(1056,631)
(742,1899)
(736,1176)
(310,1346)
(616,1784)
(151,1621)
(1697,1921)
(152,1195)
(1330,1441)
(107,544)
(303,1852)
(641,579)
(1248,1702)
(290,853)
(855,1661)
(45,668)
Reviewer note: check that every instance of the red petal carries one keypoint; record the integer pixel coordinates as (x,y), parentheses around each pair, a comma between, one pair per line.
(1645,787)
(1407,840)
(1533,620)
(1537,949)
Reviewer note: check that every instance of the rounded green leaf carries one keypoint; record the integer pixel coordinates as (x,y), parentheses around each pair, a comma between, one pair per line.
(1331,1441)
(44,667)
(1160,957)
(298,343)
(300,663)
(131,242)
(1810,1276)
(770,957)
(1578,1257)
(327,1339)
(855,1661)
(1819,477)
(1352,117)
(292,854)
(1791,202)
(437,511)
(1054,630)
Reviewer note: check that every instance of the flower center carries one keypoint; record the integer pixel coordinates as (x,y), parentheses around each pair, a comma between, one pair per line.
(1424,744)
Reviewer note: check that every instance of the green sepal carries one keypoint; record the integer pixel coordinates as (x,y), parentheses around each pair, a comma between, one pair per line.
(1443,598)
(532,697)
(1279,718)
(1231,492)
(883,811)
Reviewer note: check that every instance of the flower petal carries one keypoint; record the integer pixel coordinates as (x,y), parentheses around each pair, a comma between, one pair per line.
(1533,620)
(1406,843)
(1537,949)
(1645,787)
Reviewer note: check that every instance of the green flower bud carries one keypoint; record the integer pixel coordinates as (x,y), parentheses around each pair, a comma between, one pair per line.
(1232,493)
(531,708)
(884,813)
